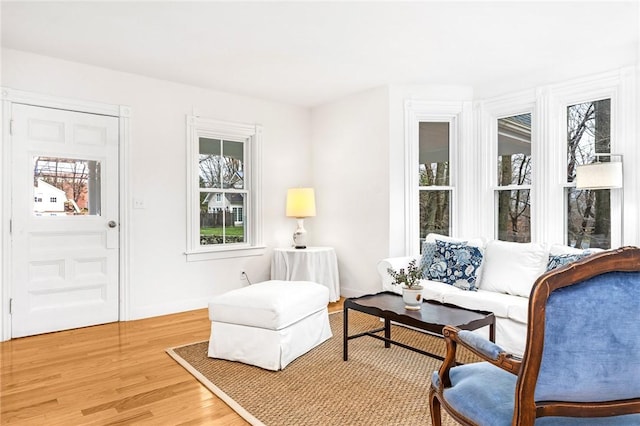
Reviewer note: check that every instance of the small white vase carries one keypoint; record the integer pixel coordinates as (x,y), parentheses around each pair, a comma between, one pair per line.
(412,297)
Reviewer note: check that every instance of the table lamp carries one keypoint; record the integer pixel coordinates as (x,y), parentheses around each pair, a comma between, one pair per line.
(600,175)
(301,203)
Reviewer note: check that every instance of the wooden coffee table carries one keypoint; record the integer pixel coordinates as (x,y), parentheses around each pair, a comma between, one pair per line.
(431,317)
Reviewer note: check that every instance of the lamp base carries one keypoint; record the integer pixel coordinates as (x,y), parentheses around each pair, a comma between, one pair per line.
(300,235)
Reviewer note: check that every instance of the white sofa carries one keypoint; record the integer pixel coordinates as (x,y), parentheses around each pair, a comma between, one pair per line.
(504,280)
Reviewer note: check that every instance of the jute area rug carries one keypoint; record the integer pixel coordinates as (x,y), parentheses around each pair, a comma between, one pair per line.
(376,386)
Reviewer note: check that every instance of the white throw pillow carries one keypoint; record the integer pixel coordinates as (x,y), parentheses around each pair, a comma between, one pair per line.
(557,249)
(512,268)
(474,242)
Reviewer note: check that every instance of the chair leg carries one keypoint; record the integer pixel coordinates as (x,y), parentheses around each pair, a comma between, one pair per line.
(434,408)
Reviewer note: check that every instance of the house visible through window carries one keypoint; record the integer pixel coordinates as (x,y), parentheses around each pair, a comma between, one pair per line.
(221,166)
(224,213)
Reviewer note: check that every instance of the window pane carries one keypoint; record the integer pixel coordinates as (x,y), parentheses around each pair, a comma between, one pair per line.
(588,134)
(588,211)
(589,218)
(233,165)
(514,150)
(514,216)
(222,218)
(210,163)
(434,154)
(434,212)
(221,164)
(65,186)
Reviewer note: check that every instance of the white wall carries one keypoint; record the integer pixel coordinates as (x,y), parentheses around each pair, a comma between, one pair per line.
(162,281)
(351,177)
(358,160)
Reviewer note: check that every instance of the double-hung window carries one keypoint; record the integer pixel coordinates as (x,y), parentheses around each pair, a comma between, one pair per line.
(224,201)
(434,183)
(432,193)
(513,194)
(588,211)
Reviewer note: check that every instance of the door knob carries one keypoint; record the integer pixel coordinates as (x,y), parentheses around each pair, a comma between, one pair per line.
(112,224)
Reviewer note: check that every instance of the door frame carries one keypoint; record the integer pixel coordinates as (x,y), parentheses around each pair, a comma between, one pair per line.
(123,113)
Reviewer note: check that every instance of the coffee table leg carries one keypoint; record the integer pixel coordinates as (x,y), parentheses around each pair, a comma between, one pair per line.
(492,332)
(387,333)
(345,342)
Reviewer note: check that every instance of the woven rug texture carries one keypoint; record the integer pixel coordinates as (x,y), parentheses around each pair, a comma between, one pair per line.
(376,386)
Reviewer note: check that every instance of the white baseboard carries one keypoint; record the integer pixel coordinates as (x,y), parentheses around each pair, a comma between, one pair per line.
(141,312)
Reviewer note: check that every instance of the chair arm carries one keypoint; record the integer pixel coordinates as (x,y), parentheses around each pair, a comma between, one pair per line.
(478,345)
(486,348)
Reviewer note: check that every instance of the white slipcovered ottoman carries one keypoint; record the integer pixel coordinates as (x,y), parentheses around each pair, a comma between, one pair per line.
(269,324)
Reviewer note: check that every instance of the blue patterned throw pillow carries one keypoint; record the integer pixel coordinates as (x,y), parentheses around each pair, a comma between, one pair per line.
(558,260)
(428,250)
(456,264)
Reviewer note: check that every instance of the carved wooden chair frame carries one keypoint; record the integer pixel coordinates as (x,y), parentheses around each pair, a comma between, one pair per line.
(526,410)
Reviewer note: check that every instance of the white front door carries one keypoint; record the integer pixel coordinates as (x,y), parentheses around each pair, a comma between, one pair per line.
(64,220)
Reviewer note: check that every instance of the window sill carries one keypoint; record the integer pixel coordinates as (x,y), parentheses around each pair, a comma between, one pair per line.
(226,253)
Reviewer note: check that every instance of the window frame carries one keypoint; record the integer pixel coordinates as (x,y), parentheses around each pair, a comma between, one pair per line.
(514,187)
(490,111)
(615,196)
(612,86)
(251,136)
(415,112)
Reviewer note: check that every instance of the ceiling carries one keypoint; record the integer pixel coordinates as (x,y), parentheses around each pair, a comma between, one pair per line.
(308,53)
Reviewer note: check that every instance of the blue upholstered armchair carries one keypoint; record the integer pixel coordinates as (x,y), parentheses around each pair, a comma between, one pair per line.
(581,365)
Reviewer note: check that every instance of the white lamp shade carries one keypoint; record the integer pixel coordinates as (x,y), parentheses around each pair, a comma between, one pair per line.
(599,175)
(301,202)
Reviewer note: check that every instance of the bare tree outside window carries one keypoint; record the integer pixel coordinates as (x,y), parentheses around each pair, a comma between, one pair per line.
(434,189)
(514,178)
(588,211)
(78,182)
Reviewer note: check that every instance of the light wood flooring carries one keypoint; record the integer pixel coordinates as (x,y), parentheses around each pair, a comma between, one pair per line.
(112,374)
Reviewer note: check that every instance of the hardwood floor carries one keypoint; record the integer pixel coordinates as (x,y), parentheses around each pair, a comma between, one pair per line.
(112,374)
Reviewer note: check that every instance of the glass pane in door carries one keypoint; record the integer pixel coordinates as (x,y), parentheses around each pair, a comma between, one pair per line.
(66,186)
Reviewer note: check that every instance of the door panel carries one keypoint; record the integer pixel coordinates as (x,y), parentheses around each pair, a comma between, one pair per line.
(64,193)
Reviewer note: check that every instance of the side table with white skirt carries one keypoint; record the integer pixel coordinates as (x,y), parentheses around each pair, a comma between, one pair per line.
(317,264)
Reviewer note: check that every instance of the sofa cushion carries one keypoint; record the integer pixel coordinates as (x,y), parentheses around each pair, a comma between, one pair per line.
(519,310)
(512,268)
(482,300)
(435,290)
(457,264)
